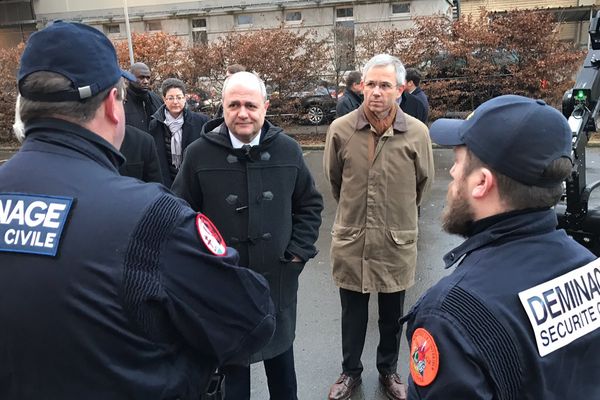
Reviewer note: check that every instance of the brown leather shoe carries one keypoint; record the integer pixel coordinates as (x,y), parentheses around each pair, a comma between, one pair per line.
(394,388)
(344,387)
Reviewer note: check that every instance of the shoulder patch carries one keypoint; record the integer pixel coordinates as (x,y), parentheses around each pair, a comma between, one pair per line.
(31,223)
(210,235)
(425,358)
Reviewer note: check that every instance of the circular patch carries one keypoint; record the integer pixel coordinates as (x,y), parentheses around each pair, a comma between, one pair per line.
(425,358)
(210,235)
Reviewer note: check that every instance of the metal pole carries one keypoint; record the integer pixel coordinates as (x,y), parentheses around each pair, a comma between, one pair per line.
(128,29)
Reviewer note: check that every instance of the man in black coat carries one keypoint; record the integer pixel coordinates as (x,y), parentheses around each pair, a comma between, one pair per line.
(141,159)
(413,106)
(413,80)
(141,102)
(252,180)
(352,98)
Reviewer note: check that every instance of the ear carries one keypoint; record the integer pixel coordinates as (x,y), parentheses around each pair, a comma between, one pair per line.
(267,104)
(400,90)
(485,183)
(111,106)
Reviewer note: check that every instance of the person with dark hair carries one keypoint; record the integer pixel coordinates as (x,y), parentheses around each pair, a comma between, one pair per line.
(413,80)
(141,158)
(111,288)
(379,163)
(174,127)
(519,311)
(252,179)
(352,98)
(141,102)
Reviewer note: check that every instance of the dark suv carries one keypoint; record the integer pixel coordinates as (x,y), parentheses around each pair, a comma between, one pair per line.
(315,107)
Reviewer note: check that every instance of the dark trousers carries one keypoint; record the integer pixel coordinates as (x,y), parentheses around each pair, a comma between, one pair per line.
(281,378)
(355,315)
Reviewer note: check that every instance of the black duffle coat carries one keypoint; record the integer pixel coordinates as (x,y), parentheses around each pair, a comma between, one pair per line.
(265,204)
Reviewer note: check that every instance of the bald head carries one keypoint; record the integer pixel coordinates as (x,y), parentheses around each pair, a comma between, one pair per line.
(246,80)
(142,75)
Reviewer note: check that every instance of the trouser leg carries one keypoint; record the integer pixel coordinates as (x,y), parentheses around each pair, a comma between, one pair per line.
(391,307)
(237,382)
(281,376)
(355,315)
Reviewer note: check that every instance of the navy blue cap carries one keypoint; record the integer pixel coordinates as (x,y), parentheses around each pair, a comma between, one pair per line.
(82,54)
(515,135)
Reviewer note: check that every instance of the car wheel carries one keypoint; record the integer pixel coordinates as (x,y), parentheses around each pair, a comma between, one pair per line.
(315,114)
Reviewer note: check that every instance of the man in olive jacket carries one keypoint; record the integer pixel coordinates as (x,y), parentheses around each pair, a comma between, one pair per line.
(252,181)
(378,161)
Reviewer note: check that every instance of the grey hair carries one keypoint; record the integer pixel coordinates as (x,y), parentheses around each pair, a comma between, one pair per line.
(246,78)
(383,60)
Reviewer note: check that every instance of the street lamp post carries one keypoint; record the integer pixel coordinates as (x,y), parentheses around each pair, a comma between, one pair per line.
(128,29)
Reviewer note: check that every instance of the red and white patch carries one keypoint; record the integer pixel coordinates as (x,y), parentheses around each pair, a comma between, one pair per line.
(210,235)
(425,358)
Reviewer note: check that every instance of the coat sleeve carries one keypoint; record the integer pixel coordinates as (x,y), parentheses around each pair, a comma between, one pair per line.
(332,163)
(151,167)
(460,374)
(175,288)
(424,167)
(342,108)
(186,185)
(307,204)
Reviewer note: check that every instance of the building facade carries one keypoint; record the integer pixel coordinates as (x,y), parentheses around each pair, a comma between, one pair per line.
(206,20)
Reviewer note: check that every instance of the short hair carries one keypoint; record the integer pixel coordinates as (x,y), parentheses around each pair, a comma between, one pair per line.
(352,78)
(246,78)
(138,66)
(81,111)
(234,68)
(172,83)
(413,74)
(519,196)
(383,60)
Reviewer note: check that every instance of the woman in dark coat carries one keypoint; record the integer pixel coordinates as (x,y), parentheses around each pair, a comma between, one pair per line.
(173,128)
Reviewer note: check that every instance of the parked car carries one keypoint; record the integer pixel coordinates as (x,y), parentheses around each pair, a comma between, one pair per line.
(310,106)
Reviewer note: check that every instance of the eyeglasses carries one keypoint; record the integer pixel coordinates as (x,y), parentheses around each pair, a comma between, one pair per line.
(383,86)
(171,98)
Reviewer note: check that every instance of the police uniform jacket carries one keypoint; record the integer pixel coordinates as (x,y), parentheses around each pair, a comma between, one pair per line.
(191,129)
(266,205)
(132,305)
(485,342)
(141,158)
(374,235)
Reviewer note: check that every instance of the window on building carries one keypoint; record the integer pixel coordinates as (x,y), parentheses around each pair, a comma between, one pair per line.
(346,12)
(244,19)
(293,16)
(112,28)
(152,26)
(400,8)
(199,31)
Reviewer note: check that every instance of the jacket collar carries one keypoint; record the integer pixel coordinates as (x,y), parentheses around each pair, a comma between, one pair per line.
(515,224)
(66,134)
(399,124)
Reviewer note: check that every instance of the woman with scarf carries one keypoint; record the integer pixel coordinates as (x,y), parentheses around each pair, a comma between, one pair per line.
(174,127)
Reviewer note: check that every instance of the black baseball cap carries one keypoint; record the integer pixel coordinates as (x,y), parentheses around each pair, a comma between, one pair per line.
(82,54)
(515,135)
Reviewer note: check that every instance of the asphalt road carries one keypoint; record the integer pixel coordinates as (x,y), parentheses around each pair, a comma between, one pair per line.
(318,343)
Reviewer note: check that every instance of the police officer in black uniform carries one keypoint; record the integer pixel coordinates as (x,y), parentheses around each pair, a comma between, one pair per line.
(109,288)
(518,317)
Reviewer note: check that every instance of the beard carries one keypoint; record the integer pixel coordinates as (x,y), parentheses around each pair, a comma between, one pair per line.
(458,216)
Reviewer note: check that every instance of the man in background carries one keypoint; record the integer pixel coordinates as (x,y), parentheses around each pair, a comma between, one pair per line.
(141,102)
(352,98)
(413,80)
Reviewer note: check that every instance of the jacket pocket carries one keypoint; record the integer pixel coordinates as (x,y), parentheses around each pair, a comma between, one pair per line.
(345,233)
(403,238)
(288,284)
